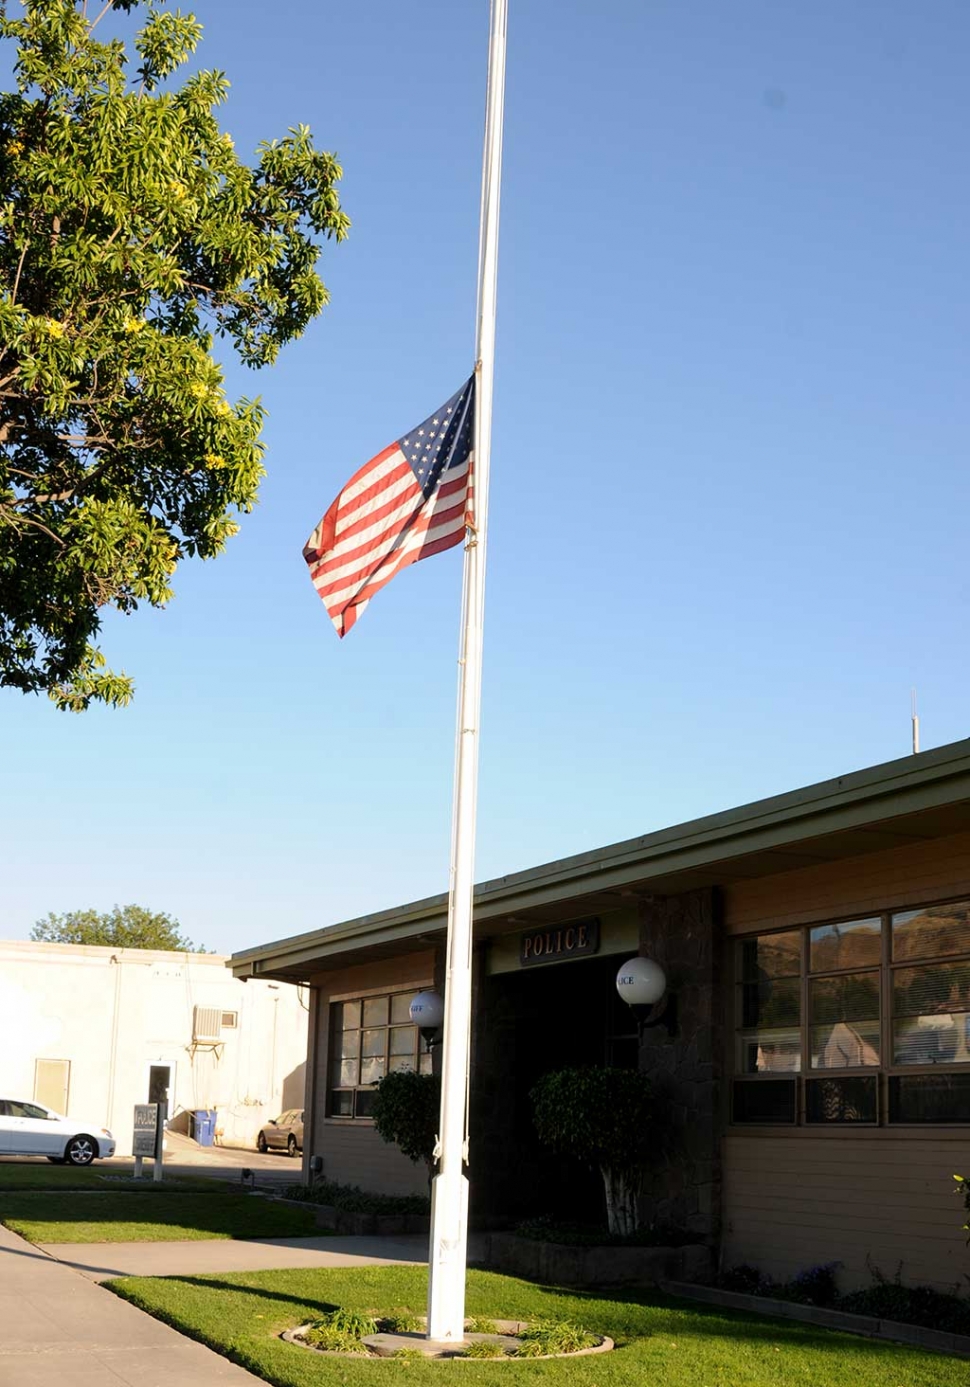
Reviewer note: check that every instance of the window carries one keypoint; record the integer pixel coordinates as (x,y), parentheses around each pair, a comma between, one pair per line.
(229,1020)
(843,1003)
(12,1109)
(769,988)
(866,1012)
(931,987)
(370,1037)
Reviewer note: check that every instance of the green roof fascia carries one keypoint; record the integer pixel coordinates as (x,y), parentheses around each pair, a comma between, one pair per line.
(861,799)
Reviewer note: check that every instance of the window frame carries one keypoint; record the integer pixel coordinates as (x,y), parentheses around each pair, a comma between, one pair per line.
(361,996)
(887,1068)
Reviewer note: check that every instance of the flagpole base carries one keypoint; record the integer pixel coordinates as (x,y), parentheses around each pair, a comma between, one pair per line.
(447,1256)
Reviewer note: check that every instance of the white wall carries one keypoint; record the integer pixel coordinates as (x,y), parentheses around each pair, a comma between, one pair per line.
(114,1012)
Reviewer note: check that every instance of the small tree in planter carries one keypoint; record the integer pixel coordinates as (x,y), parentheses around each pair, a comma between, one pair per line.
(405,1112)
(605,1117)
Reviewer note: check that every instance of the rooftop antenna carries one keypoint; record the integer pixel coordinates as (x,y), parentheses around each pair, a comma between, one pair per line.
(915,724)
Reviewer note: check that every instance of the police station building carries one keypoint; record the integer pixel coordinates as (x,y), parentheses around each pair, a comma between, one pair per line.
(815,1076)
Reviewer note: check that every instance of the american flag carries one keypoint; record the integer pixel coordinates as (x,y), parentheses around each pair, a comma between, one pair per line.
(410,501)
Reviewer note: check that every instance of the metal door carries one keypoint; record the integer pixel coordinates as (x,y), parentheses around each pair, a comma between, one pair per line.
(52,1082)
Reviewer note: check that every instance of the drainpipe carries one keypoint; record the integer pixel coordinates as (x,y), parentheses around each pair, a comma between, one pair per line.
(115,1020)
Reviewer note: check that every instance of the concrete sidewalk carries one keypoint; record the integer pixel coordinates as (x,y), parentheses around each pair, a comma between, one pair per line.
(58,1327)
(102,1261)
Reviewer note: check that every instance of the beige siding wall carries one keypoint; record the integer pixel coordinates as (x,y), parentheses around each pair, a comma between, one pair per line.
(353,1153)
(792,1202)
(897,878)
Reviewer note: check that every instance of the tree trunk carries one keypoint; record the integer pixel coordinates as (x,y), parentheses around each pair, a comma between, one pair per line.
(622,1188)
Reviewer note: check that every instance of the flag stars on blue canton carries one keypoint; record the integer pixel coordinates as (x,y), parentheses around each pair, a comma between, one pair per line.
(443,441)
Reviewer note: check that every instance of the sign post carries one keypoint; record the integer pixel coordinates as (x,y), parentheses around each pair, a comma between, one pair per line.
(144,1131)
(160,1139)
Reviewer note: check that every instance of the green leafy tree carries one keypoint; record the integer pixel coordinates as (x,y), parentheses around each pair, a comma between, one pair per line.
(606,1118)
(405,1111)
(123,927)
(131,236)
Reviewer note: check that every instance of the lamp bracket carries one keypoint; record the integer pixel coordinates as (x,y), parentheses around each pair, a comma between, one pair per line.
(662,1013)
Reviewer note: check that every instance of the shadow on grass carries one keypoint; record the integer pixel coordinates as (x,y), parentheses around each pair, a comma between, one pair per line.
(647,1312)
(713,1322)
(211,1283)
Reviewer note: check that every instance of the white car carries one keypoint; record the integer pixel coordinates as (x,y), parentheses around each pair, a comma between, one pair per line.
(30,1129)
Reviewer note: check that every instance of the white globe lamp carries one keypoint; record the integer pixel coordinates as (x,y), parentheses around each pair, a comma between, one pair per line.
(642,984)
(427,1012)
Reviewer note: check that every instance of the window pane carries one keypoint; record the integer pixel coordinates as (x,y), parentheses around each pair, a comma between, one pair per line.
(363,1104)
(934,1039)
(343,1073)
(857,944)
(766,1052)
(425,1063)
(764,1100)
(399,1007)
(404,1040)
(342,1104)
(373,1042)
(845,1046)
(398,1063)
(841,1100)
(347,1015)
(347,1044)
(929,1098)
(932,933)
(771,956)
(771,1002)
(371,1070)
(936,987)
(844,1016)
(853,997)
(375,1011)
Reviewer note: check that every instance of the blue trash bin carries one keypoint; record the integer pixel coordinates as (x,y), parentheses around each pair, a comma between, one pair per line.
(204,1123)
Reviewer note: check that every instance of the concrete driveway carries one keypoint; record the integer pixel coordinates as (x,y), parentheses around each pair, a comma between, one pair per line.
(184,1157)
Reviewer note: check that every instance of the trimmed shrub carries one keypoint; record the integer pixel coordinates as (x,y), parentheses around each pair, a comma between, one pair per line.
(605,1118)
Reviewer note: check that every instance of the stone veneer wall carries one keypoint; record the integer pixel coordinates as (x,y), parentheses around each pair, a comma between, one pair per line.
(683,1190)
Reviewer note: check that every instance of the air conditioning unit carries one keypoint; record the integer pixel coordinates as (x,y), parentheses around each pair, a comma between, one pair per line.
(207,1024)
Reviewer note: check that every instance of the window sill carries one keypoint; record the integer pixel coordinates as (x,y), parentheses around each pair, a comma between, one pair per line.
(867,1131)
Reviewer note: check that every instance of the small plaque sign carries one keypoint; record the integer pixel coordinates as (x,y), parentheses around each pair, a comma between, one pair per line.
(145,1125)
(558,942)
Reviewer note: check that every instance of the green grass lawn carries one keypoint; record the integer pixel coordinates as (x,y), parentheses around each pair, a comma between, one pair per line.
(42,1175)
(124,1216)
(660,1342)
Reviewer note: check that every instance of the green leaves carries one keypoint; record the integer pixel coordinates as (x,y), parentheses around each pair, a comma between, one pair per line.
(131,234)
(603,1117)
(406,1110)
(123,927)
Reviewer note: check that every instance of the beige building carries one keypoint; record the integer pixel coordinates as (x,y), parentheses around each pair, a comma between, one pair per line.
(816,1085)
(92,1031)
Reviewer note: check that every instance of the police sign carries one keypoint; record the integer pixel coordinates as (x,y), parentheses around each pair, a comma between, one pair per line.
(145,1127)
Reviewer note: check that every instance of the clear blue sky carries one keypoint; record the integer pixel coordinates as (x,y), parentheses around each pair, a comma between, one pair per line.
(730,487)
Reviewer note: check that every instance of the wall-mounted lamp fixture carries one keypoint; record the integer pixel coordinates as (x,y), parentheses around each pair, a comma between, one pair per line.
(643,986)
(427,1012)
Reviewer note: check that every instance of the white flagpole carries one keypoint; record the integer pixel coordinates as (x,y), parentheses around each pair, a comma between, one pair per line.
(449,1208)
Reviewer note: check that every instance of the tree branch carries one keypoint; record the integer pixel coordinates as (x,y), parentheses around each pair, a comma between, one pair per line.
(29,520)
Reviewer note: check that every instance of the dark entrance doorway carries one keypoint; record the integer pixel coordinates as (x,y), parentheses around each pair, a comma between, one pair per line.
(529,1023)
(159,1081)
